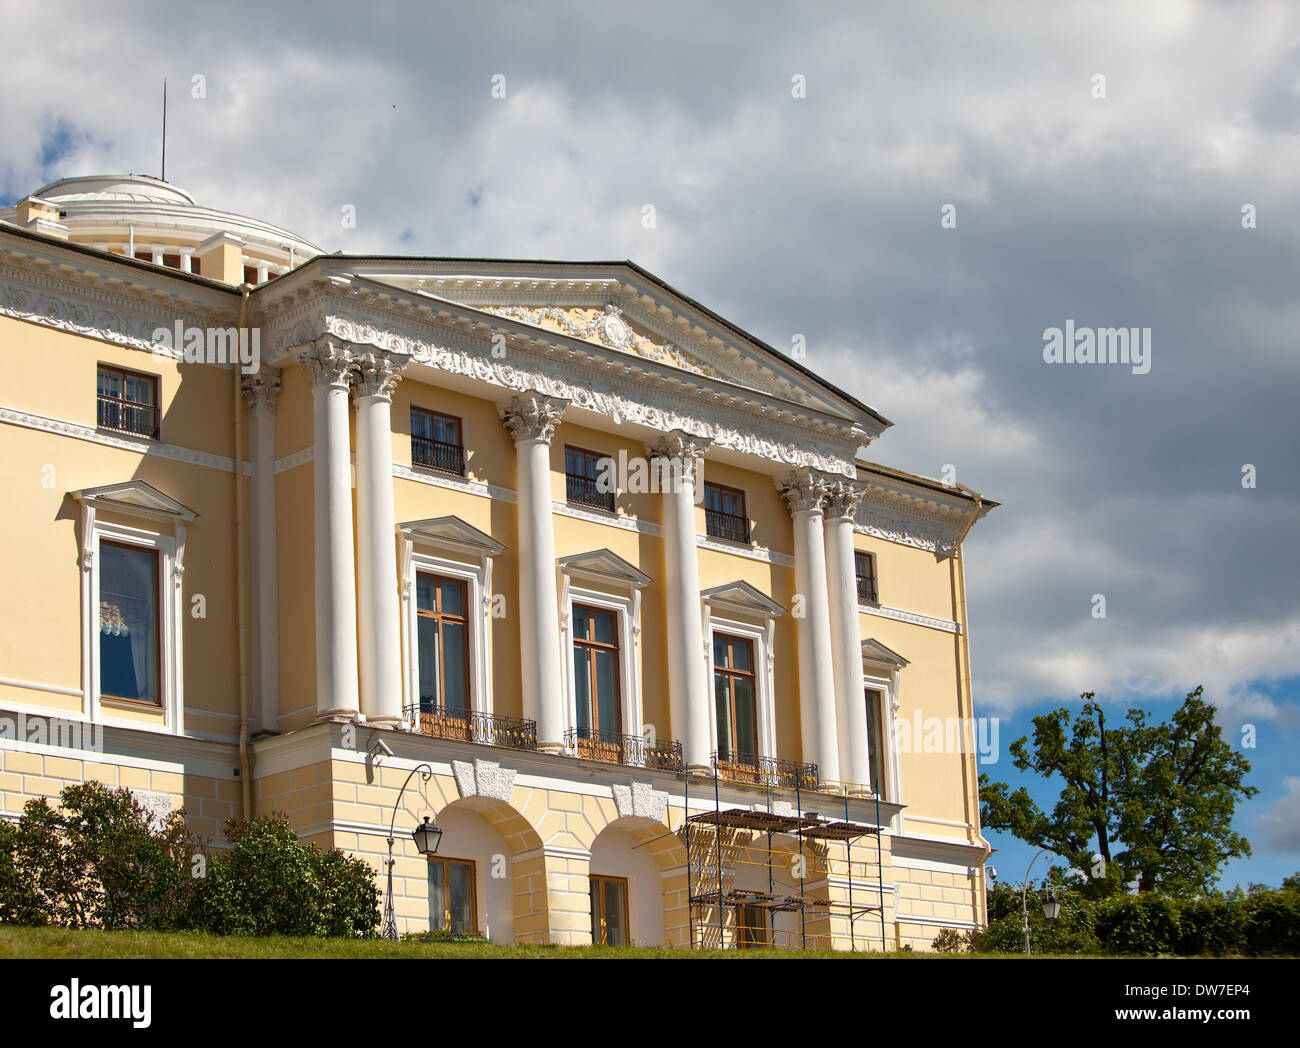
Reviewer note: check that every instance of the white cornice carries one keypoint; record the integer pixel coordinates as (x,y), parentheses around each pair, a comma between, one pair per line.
(101,298)
(911,515)
(76,430)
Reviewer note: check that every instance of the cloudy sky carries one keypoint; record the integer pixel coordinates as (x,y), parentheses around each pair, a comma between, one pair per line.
(1125,165)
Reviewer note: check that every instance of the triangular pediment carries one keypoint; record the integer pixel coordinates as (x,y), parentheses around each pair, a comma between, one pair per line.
(138,497)
(453,533)
(605,566)
(623,310)
(874,651)
(743,597)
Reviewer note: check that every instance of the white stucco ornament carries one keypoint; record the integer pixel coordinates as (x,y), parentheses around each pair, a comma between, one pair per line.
(640,799)
(483,779)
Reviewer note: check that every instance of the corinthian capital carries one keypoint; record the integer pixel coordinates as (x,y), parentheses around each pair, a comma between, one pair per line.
(261,390)
(377,375)
(802,490)
(329,363)
(681,451)
(533,417)
(842,497)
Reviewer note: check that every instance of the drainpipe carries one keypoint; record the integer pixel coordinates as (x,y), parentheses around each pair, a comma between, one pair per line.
(241,629)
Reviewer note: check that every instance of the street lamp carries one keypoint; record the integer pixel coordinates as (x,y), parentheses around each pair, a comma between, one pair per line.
(427,837)
(1051,904)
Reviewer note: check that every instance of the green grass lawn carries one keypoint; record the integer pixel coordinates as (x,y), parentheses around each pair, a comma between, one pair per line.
(67,943)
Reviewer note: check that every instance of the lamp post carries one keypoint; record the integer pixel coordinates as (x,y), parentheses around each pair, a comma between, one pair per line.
(1051,904)
(427,837)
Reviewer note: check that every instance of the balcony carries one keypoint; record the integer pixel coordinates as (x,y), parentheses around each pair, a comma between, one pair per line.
(583,491)
(722,525)
(482,729)
(768,772)
(438,454)
(630,750)
(124,416)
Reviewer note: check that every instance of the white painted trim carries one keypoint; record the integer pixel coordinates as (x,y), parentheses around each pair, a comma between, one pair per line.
(939,822)
(934,922)
(914,617)
(77,431)
(478,579)
(889,690)
(610,520)
(765,556)
(34,686)
(628,610)
(763,676)
(171,550)
(288,462)
(450,483)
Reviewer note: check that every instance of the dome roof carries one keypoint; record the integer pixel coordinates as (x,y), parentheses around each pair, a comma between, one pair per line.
(137,188)
(102,207)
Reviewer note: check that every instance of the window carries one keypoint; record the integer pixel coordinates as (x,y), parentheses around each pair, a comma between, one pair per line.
(250,274)
(442,639)
(451,896)
(582,470)
(196,266)
(172,261)
(436,442)
(128,402)
(734,694)
(128,623)
(724,513)
(751,926)
(608,911)
(875,740)
(864,566)
(597,695)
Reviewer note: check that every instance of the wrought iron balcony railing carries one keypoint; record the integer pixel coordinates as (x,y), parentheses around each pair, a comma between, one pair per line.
(584,491)
(723,525)
(769,772)
(482,729)
(124,416)
(631,750)
(438,454)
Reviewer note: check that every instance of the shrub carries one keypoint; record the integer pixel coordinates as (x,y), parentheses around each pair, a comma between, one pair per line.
(1146,924)
(270,883)
(1271,924)
(950,940)
(97,861)
(18,903)
(1213,926)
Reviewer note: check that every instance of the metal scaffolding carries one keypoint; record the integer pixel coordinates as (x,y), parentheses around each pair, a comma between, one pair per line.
(721,846)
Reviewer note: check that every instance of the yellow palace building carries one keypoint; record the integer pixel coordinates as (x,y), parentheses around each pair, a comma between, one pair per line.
(599,577)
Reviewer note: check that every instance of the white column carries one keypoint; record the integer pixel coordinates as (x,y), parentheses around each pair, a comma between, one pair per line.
(330,365)
(531,420)
(260,392)
(842,498)
(379,625)
(689,703)
(803,492)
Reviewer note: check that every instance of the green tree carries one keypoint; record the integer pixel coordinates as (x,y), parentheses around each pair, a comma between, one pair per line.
(1153,801)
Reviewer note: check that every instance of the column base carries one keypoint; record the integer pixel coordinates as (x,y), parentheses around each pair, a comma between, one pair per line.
(336,715)
(557,748)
